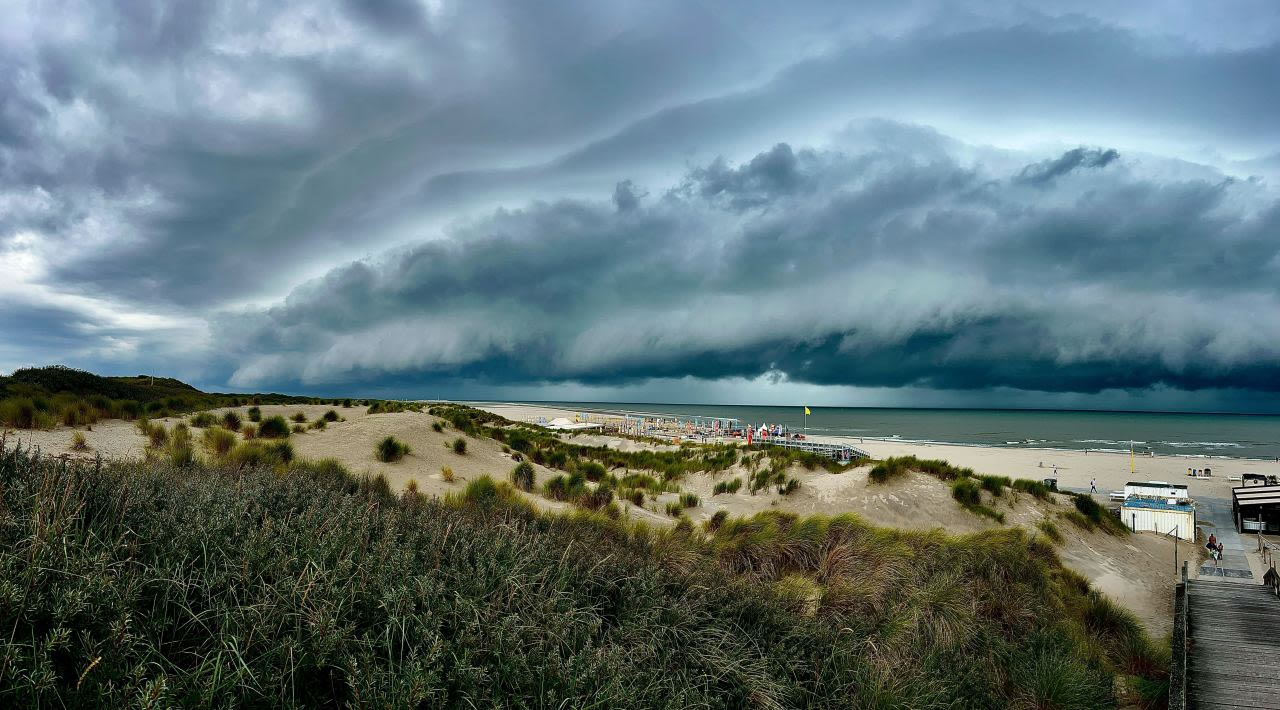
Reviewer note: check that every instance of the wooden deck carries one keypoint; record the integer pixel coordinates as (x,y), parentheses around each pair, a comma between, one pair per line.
(1233,645)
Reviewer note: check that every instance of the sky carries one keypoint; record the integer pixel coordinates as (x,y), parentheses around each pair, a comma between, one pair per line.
(1067,204)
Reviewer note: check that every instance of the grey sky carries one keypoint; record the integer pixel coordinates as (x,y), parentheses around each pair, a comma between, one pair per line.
(896,203)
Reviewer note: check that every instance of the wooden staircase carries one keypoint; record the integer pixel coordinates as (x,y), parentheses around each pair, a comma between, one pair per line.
(1233,645)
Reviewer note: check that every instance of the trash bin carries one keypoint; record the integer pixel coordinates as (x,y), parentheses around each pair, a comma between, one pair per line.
(1052,483)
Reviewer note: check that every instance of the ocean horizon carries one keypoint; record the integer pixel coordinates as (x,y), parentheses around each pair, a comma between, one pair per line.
(1193,434)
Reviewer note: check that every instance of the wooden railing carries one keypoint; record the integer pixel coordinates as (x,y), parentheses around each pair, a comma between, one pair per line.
(1178,673)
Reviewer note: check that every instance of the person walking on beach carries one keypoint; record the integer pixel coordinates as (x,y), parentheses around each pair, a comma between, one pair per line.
(1093,486)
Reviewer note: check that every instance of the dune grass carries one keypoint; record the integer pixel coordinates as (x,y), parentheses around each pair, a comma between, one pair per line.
(390,449)
(299,585)
(274,427)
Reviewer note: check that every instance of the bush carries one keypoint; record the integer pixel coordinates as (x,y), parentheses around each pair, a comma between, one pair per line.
(592,470)
(329,416)
(18,412)
(203,420)
(346,403)
(966,492)
(522,476)
(390,449)
(218,441)
(460,446)
(1050,530)
(730,486)
(320,424)
(716,521)
(78,442)
(299,417)
(1036,488)
(437,427)
(260,454)
(157,435)
(254,414)
(231,420)
(273,428)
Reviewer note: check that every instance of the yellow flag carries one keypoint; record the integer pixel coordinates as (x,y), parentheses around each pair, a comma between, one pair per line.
(806,411)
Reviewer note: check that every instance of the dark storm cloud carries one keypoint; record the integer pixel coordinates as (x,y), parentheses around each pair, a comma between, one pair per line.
(1023,189)
(1046,171)
(873,269)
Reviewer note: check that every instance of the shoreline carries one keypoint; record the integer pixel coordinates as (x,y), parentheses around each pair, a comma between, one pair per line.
(850,438)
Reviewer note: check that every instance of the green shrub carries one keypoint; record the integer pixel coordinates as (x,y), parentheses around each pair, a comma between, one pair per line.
(330,416)
(689,500)
(437,427)
(231,420)
(1050,530)
(203,420)
(522,476)
(299,417)
(995,485)
(791,486)
(157,435)
(390,449)
(260,454)
(218,441)
(460,446)
(320,424)
(592,470)
(1036,488)
(18,412)
(675,509)
(254,414)
(730,486)
(966,492)
(274,427)
(716,521)
(346,403)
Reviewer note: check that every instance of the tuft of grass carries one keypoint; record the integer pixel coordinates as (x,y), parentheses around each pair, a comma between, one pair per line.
(390,449)
(330,416)
(446,474)
(689,500)
(791,486)
(967,493)
(592,470)
(298,429)
(1050,530)
(217,441)
(675,509)
(249,431)
(274,427)
(460,446)
(157,436)
(717,520)
(203,420)
(1036,488)
(78,442)
(299,417)
(254,414)
(522,476)
(320,424)
(437,427)
(231,420)
(730,486)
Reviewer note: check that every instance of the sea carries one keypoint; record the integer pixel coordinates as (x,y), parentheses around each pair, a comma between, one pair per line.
(1247,436)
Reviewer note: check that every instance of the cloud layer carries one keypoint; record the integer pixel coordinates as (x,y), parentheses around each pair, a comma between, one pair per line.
(936,196)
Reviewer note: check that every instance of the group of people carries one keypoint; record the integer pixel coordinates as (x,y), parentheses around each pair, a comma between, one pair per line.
(1214,547)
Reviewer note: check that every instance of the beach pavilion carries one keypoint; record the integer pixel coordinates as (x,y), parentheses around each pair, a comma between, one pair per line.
(1256,508)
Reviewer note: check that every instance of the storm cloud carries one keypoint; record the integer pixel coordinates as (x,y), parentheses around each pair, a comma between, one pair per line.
(926,197)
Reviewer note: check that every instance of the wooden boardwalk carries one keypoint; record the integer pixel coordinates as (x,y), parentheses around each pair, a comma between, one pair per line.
(1233,645)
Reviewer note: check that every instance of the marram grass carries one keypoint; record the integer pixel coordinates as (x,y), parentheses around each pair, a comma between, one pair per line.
(298,585)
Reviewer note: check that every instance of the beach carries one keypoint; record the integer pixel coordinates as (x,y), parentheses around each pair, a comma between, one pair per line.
(1074,468)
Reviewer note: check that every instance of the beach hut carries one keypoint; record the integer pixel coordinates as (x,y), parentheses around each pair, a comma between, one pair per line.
(1155,489)
(1160,515)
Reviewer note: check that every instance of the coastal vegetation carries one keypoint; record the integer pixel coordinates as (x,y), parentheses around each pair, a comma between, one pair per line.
(390,449)
(45,397)
(259,579)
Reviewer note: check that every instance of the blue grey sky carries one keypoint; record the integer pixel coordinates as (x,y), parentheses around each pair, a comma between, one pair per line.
(1067,204)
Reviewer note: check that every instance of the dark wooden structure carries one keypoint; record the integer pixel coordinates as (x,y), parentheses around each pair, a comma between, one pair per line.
(1256,508)
(1226,646)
